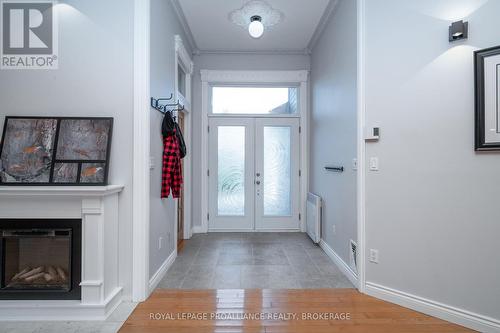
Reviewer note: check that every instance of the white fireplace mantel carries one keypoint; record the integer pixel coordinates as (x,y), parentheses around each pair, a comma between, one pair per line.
(97,207)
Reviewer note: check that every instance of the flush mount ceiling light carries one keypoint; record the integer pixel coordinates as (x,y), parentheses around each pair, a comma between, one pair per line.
(458,30)
(256,16)
(256,28)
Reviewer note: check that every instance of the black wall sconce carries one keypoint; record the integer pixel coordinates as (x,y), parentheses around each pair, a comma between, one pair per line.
(458,30)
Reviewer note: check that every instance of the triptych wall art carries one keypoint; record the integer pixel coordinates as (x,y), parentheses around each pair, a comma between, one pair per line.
(55,151)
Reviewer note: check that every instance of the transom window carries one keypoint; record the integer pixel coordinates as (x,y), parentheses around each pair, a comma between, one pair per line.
(254,100)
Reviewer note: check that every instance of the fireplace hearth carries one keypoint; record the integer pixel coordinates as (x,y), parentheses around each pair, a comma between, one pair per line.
(40,259)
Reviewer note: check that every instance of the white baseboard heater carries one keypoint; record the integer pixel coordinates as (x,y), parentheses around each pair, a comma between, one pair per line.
(313,217)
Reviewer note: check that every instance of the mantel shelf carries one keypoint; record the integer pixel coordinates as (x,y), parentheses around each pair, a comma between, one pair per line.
(73,191)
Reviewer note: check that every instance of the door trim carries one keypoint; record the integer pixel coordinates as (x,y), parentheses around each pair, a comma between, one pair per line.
(183,59)
(210,77)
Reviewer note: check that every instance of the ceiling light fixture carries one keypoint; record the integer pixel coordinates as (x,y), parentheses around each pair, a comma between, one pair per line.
(262,17)
(256,28)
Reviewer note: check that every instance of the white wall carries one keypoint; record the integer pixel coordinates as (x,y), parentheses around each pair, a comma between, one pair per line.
(228,62)
(164,26)
(95,78)
(334,128)
(432,209)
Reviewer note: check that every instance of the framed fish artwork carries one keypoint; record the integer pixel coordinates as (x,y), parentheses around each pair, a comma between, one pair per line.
(55,151)
(487,95)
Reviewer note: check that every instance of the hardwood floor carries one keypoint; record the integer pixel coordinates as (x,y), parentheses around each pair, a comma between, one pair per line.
(342,310)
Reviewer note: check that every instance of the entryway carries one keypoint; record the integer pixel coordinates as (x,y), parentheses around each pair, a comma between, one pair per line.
(254,174)
(278,260)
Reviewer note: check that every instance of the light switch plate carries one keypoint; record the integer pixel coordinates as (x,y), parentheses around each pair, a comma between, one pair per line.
(374,164)
(355,164)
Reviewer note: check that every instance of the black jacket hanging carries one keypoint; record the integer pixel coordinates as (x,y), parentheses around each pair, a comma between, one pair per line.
(168,124)
(180,139)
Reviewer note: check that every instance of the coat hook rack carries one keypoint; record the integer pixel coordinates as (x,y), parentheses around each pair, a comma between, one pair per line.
(155,104)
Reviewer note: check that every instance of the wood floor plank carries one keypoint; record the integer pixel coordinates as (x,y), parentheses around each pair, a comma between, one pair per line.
(310,310)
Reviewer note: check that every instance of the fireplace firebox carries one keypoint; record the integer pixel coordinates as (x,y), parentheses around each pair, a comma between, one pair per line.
(40,259)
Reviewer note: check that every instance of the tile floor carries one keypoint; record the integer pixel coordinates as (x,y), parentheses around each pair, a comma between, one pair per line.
(253,260)
(111,325)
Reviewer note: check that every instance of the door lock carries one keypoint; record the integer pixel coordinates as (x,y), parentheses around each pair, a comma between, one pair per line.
(257,174)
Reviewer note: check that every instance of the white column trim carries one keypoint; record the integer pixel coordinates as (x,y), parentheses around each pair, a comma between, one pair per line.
(361,155)
(140,233)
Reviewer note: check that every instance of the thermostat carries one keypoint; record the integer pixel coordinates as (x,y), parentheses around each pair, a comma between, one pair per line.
(372,133)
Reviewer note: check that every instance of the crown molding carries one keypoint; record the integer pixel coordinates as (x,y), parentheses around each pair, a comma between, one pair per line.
(323,22)
(254,52)
(185,26)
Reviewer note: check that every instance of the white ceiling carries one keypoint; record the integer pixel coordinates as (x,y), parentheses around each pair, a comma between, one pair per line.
(213,32)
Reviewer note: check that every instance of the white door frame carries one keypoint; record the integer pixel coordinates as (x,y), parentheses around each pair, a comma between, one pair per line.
(141,146)
(301,78)
(183,59)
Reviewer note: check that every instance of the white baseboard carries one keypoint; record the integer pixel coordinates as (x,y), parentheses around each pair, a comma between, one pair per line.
(160,273)
(446,312)
(55,310)
(341,264)
(198,229)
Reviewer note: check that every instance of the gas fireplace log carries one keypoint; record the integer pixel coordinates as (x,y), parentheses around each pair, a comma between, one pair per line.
(16,277)
(32,272)
(61,273)
(34,277)
(52,272)
(48,277)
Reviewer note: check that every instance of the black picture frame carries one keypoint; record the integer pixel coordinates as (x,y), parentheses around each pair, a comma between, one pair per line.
(54,160)
(481,143)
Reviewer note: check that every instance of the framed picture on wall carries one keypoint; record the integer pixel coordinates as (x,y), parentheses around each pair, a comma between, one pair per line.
(487,91)
(55,151)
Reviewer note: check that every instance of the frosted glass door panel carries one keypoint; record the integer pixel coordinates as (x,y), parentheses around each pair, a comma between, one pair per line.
(277,171)
(231,171)
(277,190)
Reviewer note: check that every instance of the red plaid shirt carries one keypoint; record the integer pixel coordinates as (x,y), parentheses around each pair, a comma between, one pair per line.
(172,167)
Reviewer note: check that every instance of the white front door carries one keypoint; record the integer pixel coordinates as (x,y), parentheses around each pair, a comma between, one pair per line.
(254,174)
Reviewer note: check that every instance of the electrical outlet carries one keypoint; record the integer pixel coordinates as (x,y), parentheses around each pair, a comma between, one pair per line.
(334,229)
(160,243)
(355,164)
(373,256)
(151,162)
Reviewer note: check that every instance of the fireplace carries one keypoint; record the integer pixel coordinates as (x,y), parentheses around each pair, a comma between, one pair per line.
(40,259)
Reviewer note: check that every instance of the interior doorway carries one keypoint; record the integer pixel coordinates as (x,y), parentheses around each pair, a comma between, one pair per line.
(254,174)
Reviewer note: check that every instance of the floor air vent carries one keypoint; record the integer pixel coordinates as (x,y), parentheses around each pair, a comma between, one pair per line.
(353,257)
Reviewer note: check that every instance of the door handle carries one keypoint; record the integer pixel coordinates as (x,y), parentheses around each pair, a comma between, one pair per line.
(257,174)
(257,182)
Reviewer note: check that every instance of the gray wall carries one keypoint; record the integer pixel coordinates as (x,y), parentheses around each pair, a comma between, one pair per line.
(432,209)
(164,26)
(334,128)
(95,78)
(228,62)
